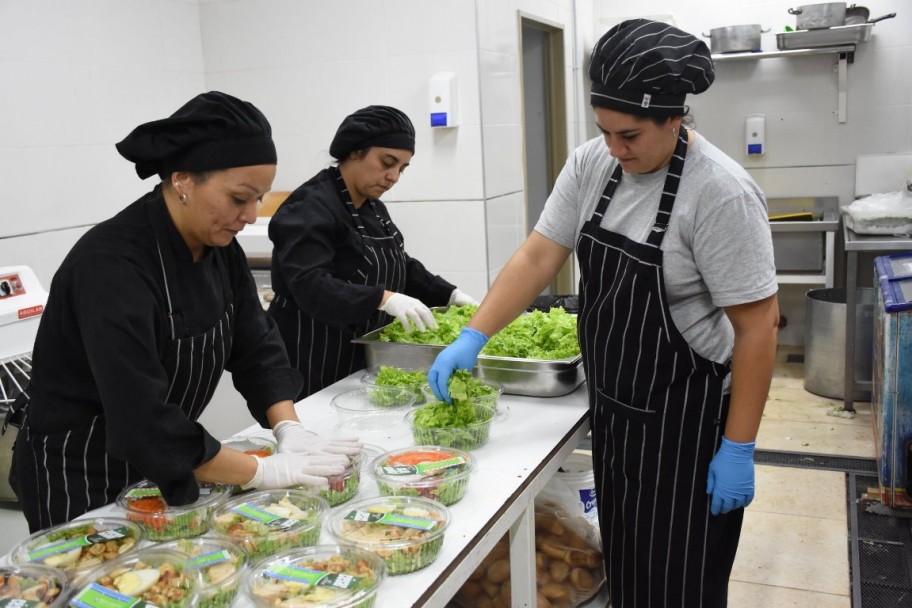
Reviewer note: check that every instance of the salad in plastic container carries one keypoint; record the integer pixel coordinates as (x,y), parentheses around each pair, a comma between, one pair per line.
(253,445)
(425,470)
(220,564)
(463,425)
(373,408)
(143,503)
(411,379)
(343,488)
(268,521)
(153,576)
(464,386)
(406,531)
(325,576)
(79,545)
(32,586)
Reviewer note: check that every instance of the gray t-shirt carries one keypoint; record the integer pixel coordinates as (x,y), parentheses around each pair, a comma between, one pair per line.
(717,250)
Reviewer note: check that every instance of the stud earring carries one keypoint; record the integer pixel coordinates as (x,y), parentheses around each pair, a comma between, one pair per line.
(183,198)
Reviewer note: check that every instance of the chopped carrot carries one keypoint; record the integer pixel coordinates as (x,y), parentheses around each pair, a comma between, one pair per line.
(417,457)
(149,504)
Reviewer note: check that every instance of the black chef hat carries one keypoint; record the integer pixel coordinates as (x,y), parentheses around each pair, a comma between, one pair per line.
(373,126)
(211,131)
(646,68)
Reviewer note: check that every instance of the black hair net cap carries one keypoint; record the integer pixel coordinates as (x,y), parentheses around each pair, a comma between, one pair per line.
(647,68)
(381,126)
(212,131)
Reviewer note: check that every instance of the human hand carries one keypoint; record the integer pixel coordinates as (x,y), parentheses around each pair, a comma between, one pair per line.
(461,354)
(731,476)
(293,437)
(286,470)
(461,298)
(410,311)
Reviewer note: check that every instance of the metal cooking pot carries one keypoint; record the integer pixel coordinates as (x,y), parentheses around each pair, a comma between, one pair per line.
(855,20)
(856,15)
(735,38)
(819,16)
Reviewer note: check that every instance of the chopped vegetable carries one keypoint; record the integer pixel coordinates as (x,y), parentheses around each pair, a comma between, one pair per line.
(166,584)
(37,591)
(220,563)
(435,473)
(80,546)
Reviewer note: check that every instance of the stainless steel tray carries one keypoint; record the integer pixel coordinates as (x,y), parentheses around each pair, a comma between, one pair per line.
(832,36)
(533,377)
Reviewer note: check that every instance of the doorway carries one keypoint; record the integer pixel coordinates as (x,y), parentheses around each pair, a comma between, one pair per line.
(544,124)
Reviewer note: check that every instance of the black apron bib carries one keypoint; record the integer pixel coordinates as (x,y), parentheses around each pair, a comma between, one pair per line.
(324,353)
(63,475)
(658,412)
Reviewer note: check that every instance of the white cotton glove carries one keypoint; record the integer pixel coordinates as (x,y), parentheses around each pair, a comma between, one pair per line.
(287,470)
(294,438)
(409,311)
(461,298)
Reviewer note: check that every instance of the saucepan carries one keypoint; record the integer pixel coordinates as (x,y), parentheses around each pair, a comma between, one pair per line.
(819,16)
(858,15)
(735,38)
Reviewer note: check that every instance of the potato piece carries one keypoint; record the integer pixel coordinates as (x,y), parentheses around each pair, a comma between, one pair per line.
(541,560)
(559,571)
(541,601)
(471,589)
(491,589)
(581,578)
(477,574)
(500,550)
(499,571)
(555,592)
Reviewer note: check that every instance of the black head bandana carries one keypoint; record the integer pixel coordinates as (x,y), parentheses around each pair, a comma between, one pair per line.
(381,126)
(647,68)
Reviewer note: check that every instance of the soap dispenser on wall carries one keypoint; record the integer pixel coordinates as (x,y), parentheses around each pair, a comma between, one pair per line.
(755,134)
(442,100)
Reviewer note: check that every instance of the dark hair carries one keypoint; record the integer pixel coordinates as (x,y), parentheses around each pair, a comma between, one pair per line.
(356,154)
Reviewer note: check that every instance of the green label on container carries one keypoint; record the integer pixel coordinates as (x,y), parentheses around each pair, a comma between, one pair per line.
(313,578)
(272,520)
(63,546)
(17,603)
(144,492)
(99,596)
(425,469)
(210,559)
(393,519)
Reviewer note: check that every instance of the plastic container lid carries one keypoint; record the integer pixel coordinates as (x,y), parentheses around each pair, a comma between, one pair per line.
(461,436)
(325,576)
(485,392)
(79,545)
(144,504)
(253,445)
(143,576)
(406,531)
(344,487)
(266,522)
(429,471)
(388,375)
(33,583)
(373,408)
(221,566)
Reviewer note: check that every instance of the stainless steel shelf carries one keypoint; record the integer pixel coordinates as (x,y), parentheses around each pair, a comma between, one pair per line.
(828,224)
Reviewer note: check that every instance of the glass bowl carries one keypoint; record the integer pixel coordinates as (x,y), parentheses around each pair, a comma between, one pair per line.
(155,576)
(143,503)
(220,564)
(483,392)
(268,521)
(325,576)
(412,379)
(373,408)
(79,545)
(32,585)
(447,425)
(253,445)
(405,531)
(429,471)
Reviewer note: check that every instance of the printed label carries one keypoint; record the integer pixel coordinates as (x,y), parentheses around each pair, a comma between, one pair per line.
(272,520)
(587,497)
(99,596)
(312,577)
(210,559)
(144,492)
(425,469)
(31,311)
(393,519)
(63,546)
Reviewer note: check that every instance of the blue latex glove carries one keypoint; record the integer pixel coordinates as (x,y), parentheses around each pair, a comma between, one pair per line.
(731,477)
(461,354)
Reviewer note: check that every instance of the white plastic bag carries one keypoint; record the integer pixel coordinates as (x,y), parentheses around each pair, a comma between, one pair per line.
(884,213)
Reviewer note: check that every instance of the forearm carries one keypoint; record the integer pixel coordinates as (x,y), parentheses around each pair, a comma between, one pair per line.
(282,410)
(228,467)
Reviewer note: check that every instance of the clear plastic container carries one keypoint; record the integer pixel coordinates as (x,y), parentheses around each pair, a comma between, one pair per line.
(482,392)
(79,545)
(266,522)
(253,445)
(344,487)
(311,577)
(373,408)
(156,576)
(33,585)
(467,436)
(221,566)
(429,471)
(143,503)
(409,378)
(405,531)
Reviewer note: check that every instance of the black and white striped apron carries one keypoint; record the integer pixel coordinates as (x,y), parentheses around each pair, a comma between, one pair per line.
(63,475)
(324,353)
(658,412)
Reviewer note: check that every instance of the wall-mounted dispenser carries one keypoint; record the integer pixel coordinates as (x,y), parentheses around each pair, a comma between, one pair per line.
(754,131)
(442,100)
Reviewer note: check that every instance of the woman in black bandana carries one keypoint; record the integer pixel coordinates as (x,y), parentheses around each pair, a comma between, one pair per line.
(144,314)
(677,323)
(339,265)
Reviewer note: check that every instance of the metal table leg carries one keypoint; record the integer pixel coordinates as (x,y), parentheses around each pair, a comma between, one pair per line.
(848,396)
(522,558)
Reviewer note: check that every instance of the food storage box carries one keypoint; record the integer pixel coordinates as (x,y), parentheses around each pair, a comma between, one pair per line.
(268,521)
(32,585)
(343,488)
(405,531)
(153,576)
(79,545)
(387,375)
(465,426)
(373,408)
(429,471)
(253,445)
(483,392)
(325,576)
(221,565)
(143,503)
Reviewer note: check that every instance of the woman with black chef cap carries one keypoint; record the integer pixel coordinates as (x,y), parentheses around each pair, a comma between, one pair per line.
(339,265)
(677,323)
(144,314)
